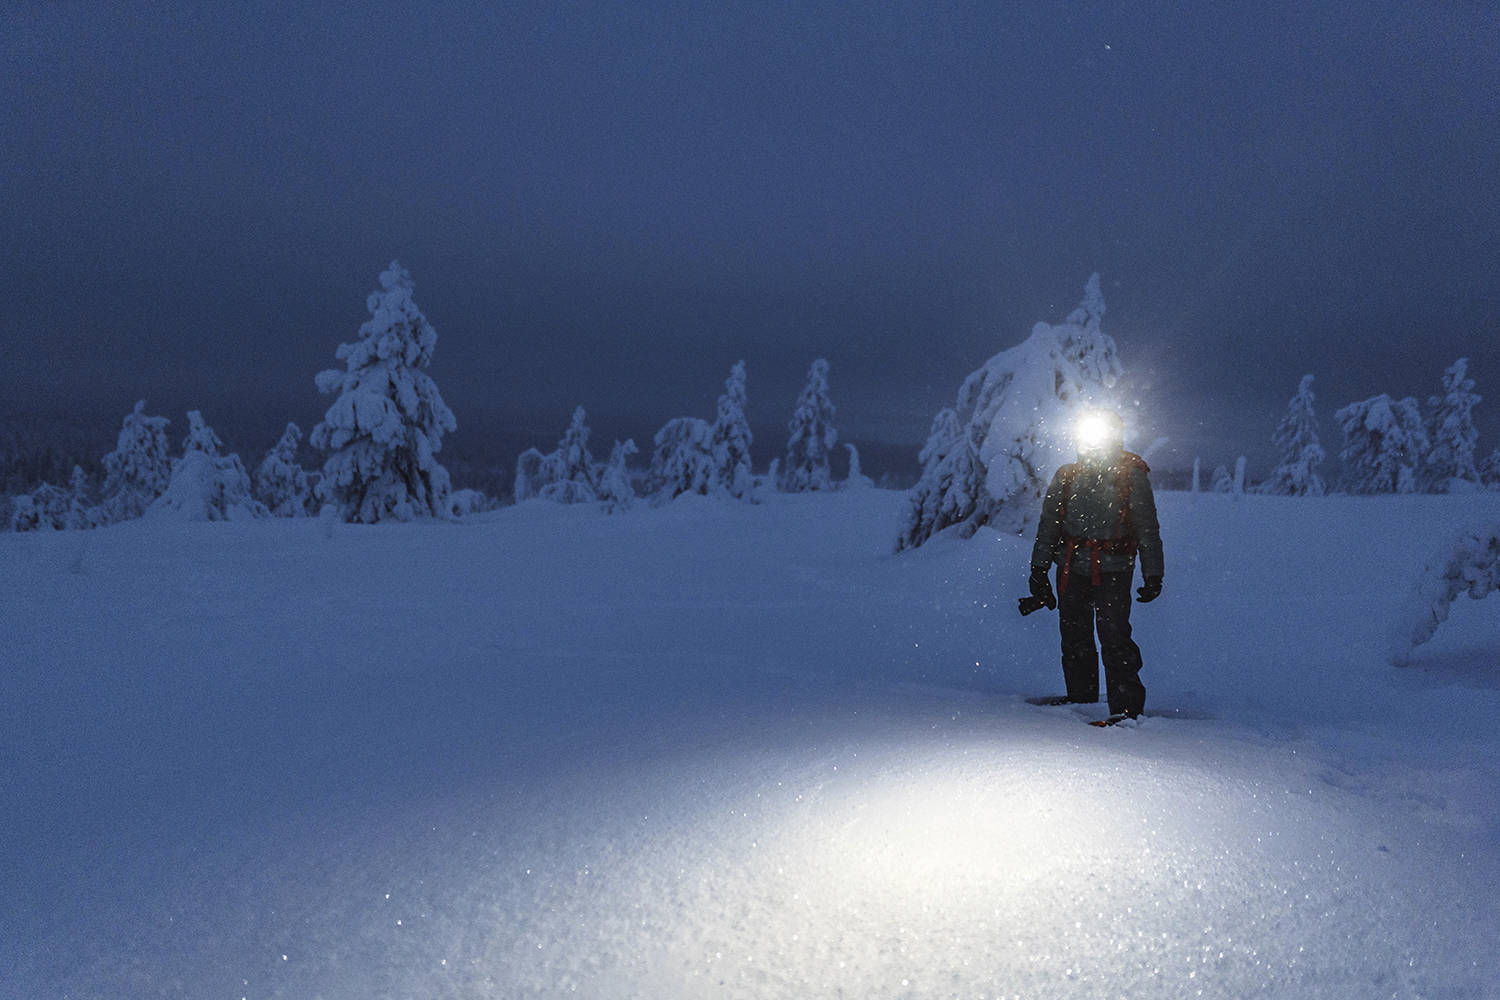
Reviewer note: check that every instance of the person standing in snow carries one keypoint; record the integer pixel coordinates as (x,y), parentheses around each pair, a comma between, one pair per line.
(1097,516)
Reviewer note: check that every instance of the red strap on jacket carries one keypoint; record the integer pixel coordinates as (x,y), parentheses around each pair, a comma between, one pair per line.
(1126,545)
(1111,546)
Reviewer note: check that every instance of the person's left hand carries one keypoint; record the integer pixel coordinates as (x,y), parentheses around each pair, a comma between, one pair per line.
(1150,590)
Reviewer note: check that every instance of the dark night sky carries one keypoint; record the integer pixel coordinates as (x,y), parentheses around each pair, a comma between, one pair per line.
(608,204)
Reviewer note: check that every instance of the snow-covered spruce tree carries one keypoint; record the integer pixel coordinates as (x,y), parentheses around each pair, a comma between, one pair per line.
(1384,443)
(207,486)
(614,487)
(923,500)
(1296,475)
(856,480)
(682,460)
(45,508)
(1017,414)
(386,427)
(280,483)
(575,477)
(1489,470)
(812,435)
(945,433)
(732,438)
(1449,463)
(568,474)
(200,436)
(1223,482)
(82,514)
(138,470)
(1470,565)
(532,474)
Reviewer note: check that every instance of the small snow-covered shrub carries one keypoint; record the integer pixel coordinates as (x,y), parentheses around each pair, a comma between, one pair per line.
(44,509)
(1471,565)
(614,486)
(1489,471)
(569,474)
(280,483)
(856,480)
(683,460)
(464,502)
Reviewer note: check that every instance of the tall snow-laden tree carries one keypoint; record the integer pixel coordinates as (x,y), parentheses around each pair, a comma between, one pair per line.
(205,485)
(731,438)
(1449,462)
(682,460)
(1017,414)
(812,435)
(1301,454)
(139,469)
(387,425)
(1384,443)
(280,483)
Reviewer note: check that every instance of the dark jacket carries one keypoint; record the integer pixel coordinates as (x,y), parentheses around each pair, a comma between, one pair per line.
(1084,501)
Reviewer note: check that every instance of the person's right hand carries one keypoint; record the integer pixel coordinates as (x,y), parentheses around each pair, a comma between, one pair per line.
(1041,588)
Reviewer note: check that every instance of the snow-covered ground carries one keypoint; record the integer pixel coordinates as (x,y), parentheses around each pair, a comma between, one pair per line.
(721,750)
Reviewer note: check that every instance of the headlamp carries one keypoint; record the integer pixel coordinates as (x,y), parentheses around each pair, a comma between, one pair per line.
(1094,431)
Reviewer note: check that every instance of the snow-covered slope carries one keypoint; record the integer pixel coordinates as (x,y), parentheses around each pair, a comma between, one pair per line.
(721,750)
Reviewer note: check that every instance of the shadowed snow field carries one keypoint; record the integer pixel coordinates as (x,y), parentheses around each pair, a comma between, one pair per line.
(722,750)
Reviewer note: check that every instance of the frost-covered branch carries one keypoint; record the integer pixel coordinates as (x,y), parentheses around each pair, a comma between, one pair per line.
(1471,565)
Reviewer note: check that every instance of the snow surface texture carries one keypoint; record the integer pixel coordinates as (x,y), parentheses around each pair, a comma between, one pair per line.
(730,750)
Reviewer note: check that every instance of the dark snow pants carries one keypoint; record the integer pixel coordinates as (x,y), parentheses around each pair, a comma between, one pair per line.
(1082,608)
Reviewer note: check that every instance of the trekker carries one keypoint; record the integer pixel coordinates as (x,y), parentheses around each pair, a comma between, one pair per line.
(1098,514)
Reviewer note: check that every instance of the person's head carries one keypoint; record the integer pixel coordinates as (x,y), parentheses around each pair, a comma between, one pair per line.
(1100,434)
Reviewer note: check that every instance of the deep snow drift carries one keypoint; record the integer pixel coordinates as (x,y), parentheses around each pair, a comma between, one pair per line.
(722,750)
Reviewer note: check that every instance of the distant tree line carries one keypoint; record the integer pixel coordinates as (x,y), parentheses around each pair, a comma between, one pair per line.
(1390,445)
(986,460)
(381,437)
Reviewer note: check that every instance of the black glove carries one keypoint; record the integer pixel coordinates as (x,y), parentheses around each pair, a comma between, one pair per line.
(1150,591)
(1041,588)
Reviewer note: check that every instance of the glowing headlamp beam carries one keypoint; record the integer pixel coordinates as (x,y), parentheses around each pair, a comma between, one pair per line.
(1094,431)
